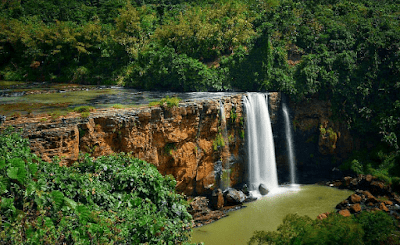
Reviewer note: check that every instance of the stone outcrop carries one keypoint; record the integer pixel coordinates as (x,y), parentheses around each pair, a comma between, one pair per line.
(190,143)
(184,141)
(370,195)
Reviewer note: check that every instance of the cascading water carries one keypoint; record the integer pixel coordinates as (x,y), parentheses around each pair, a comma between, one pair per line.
(289,144)
(225,175)
(260,144)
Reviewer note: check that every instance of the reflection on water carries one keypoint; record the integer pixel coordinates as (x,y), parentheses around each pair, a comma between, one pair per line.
(107,97)
(135,97)
(268,212)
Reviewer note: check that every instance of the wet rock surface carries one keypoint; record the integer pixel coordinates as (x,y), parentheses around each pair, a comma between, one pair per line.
(204,212)
(370,194)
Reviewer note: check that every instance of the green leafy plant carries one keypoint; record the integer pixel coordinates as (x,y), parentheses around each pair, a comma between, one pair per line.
(118,106)
(113,199)
(367,228)
(170,102)
(85,114)
(218,142)
(84,108)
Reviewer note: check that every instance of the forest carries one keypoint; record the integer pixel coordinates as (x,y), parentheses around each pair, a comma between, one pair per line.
(347,52)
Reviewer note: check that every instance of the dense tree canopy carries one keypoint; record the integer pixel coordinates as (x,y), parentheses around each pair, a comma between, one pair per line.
(340,50)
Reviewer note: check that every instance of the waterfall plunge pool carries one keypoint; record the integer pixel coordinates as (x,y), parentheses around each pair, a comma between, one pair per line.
(268,212)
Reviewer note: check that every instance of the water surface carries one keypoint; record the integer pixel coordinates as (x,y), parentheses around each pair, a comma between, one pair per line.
(267,214)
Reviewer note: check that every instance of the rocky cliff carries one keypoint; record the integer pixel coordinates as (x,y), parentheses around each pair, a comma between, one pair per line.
(200,143)
(192,141)
(321,142)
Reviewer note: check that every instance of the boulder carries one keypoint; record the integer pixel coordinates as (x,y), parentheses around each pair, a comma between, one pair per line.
(355,198)
(345,213)
(355,208)
(323,216)
(234,197)
(217,199)
(263,189)
(343,204)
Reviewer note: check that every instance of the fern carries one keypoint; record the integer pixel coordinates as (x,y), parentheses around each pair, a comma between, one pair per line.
(58,199)
(83,213)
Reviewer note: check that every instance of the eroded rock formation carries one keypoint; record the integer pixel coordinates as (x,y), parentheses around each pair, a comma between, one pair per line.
(184,141)
(189,141)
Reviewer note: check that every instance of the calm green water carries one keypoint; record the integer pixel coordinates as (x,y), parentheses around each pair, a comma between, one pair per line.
(267,213)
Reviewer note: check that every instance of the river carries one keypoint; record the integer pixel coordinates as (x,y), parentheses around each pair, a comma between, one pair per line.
(268,212)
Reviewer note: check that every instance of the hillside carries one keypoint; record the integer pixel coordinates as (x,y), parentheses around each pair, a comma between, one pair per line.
(338,50)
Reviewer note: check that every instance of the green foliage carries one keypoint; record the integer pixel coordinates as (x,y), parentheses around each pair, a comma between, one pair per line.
(170,102)
(168,148)
(118,106)
(113,199)
(162,68)
(218,142)
(379,161)
(367,228)
(84,108)
(233,114)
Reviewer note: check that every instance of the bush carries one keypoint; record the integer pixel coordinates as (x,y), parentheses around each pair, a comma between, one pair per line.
(84,108)
(367,228)
(163,69)
(113,199)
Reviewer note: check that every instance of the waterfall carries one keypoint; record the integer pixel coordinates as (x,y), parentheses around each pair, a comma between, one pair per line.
(225,175)
(260,144)
(289,144)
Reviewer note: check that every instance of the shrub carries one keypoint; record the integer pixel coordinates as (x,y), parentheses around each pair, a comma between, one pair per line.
(118,106)
(367,228)
(170,102)
(113,199)
(85,108)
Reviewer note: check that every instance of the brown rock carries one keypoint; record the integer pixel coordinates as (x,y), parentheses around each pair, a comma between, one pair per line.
(354,198)
(323,216)
(388,202)
(368,178)
(337,183)
(217,199)
(355,208)
(348,180)
(178,140)
(343,204)
(345,213)
(383,207)
(370,198)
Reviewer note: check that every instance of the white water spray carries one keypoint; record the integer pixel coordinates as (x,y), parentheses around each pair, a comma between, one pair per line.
(289,144)
(260,144)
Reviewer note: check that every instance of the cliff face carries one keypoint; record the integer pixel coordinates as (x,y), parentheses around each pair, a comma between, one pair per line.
(200,143)
(189,141)
(321,143)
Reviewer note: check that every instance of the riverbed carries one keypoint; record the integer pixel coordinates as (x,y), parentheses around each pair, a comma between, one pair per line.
(268,212)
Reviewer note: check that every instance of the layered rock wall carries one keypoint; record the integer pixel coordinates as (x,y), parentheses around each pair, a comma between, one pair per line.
(201,147)
(184,141)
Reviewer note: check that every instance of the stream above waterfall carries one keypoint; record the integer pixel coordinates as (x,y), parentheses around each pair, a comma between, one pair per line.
(47,100)
(268,212)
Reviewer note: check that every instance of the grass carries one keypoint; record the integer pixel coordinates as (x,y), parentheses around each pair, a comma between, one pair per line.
(8,84)
(84,108)
(119,106)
